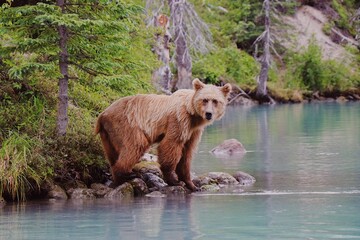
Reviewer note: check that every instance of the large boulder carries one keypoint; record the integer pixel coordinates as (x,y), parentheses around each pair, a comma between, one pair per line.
(229,148)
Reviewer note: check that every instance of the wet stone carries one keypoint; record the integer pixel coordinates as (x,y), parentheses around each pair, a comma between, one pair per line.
(100,190)
(210,188)
(139,186)
(122,191)
(244,179)
(57,192)
(203,180)
(82,193)
(222,178)
(229,148)
(153,181)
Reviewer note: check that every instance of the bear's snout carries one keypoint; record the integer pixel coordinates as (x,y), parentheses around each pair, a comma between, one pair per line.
(208,115)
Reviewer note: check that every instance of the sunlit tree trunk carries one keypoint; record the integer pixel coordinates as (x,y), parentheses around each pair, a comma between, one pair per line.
(356,20)
(182,56)
(62,116)
(162,76)
(265,60)
(188,31)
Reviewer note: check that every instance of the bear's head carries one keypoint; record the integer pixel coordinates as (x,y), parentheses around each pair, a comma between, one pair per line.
(210,101)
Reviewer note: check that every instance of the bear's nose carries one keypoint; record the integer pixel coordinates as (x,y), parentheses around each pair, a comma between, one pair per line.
(208,115)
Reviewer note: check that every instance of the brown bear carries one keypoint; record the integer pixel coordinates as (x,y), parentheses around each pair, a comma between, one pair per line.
(130,125)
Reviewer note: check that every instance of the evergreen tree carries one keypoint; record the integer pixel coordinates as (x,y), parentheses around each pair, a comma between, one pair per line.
(94,37)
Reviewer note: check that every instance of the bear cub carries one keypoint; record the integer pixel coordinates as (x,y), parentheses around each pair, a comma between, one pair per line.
(130,125)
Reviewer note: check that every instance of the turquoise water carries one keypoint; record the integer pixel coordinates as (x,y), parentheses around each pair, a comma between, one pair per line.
(306,159)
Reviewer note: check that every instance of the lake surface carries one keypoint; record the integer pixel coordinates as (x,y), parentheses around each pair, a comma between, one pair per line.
(305,157)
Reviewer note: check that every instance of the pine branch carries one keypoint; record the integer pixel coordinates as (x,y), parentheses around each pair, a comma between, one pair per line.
(88,70)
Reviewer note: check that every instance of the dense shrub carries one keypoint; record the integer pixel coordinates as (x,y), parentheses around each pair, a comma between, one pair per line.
(307,70)
(228,64)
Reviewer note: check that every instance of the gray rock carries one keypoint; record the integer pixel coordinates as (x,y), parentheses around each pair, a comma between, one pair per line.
(148,167)
(57,192)
(154,181)
(203,180)
(81,193)
(140,187)
(222,178)
(210,188)
(100,190)
(122,191)
(244,179)
(229,148)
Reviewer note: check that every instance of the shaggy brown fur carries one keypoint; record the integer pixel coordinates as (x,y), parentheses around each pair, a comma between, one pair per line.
(130,125)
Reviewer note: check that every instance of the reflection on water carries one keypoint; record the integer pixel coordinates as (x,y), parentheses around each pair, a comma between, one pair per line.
(291,147)
(305,159)
(158,218)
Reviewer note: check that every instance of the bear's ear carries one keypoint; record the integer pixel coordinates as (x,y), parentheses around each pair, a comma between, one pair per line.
(197,84)
(226,89)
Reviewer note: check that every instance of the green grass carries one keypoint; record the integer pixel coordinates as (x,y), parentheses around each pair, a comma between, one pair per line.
(22,167)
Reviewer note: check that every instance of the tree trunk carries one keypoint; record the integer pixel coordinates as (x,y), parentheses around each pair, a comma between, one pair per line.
(62,116)
(162,76)
(265,61)
(182,58)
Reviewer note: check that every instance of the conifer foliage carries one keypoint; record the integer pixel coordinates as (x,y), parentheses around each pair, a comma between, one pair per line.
(64,38)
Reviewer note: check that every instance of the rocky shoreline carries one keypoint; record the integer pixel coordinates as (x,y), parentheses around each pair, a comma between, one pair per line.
(149,183)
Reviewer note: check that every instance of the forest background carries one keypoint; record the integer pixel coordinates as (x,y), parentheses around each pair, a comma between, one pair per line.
(109,53)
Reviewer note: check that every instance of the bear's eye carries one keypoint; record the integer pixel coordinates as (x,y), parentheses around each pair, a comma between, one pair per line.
(205,101)
(215,102)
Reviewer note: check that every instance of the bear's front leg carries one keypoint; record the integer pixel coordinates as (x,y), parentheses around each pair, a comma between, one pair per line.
(183,167)
(169,153)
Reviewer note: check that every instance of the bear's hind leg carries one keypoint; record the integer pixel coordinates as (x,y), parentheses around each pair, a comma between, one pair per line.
(130,154)
(122,169)
(110,152)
